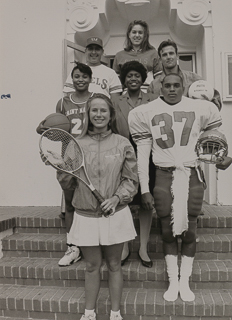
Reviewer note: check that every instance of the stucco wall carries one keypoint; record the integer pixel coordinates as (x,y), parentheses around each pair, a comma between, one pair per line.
(31,37)
(31,72)
(222,26)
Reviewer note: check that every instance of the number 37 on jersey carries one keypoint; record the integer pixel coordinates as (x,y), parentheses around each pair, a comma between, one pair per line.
(172,126)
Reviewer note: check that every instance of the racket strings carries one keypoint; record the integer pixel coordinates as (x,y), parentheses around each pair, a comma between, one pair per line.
(61,150)
(64,153)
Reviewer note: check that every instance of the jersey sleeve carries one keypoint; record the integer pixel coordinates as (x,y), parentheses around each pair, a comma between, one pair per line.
(115,85)
(211,118)
(59,107)
(217,100)
(142,136)
(139,127)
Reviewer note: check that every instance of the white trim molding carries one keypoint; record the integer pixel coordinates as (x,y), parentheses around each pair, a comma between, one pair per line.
(135,2)
(226,60)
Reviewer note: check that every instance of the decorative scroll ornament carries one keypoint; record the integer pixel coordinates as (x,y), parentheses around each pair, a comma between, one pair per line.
(193,12)
(83,15)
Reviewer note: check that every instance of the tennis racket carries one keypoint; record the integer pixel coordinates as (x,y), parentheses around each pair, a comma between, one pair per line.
(64,153)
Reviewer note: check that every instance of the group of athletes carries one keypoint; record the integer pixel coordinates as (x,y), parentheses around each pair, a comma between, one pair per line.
(138,130)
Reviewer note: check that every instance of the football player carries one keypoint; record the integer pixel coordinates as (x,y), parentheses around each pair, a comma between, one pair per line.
(170,127)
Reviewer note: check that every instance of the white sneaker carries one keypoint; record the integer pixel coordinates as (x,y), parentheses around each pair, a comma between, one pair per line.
(89,317)
(72,255)
(116,317)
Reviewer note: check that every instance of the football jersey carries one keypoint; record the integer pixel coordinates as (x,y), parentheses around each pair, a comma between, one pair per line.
(104,80)
(73,111)
(172,131)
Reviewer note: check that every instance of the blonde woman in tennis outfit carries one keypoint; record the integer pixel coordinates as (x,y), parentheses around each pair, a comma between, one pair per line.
(111,166)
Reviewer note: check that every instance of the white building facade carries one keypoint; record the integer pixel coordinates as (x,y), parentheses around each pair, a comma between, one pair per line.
(37,41)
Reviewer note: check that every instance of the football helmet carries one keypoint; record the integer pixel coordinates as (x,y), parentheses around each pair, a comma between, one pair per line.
(211,147)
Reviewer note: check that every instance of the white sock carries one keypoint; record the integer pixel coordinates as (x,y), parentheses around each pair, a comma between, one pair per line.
(186,293)
(172,269)
(68,237)
(112,313)
(89,312)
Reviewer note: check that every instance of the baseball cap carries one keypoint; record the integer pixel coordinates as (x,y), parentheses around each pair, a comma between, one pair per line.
(94,40)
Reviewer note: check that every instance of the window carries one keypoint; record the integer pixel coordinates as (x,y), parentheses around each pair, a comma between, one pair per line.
(227,76)
(187,61)
(72,52)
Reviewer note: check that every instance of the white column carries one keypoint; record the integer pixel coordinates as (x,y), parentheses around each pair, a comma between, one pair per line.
(208,73)
(198,13)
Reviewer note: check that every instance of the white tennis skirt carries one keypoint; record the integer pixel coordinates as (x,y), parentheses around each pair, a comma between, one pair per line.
(86,231)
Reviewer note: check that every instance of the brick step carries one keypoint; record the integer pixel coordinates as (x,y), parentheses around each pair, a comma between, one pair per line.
(15,318)
(45,272)
(214,216)
(54,245)
(106,317)
(50,222)
(137,304)
(46,219)
(154,230)
(57,225)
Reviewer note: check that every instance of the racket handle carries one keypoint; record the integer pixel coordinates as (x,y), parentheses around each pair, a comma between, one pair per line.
(100,200)
(108,213)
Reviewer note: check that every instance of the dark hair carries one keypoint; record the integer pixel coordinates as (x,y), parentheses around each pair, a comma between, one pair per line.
(145,45)
(83,68)
(135,66)
(167,43)
(173,74)
(88,125)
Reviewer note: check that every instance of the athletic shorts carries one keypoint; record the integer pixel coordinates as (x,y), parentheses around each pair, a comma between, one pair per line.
(86,231)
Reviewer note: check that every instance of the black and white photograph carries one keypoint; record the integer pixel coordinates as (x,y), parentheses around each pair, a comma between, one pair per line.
(116,153)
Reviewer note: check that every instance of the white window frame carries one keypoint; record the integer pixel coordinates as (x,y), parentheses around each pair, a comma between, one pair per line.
(226,95)
(111,57)
(193,58)
(68,44)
